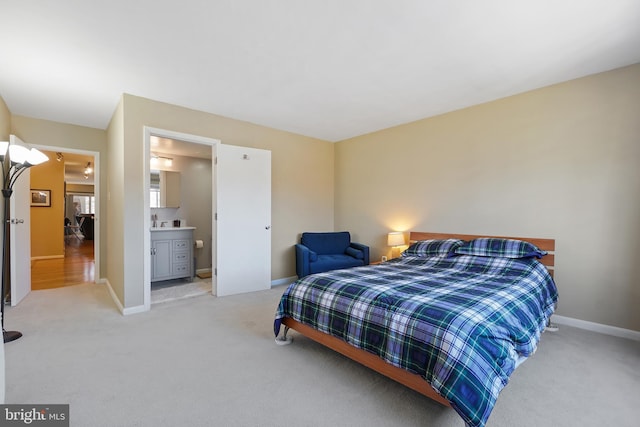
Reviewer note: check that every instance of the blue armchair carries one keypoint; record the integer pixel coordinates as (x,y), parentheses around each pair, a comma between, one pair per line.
(318,252)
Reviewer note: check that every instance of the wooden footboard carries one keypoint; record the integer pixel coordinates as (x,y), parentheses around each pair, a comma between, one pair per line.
(408,379)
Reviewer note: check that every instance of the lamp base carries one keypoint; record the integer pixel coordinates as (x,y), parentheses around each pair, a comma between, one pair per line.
(11,335)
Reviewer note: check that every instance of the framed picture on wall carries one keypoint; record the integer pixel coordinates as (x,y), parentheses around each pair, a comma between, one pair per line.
(40,198)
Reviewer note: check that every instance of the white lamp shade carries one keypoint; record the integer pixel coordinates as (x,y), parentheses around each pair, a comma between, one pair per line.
(36,157)
(18,153)
(395,238)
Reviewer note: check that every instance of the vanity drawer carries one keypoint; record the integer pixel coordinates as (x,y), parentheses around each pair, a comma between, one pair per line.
(182,256)
(181,268)
(181,244)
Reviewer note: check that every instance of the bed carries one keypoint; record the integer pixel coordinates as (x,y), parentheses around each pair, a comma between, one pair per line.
(451,318)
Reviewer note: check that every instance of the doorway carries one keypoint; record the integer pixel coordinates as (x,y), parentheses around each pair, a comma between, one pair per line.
(179,194)
(78,262)
(189,159)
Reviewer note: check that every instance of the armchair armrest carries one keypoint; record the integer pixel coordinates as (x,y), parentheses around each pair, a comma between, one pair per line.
(363,248)
(304,256)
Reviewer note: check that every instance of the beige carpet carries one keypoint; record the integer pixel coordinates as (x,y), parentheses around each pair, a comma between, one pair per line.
(207,361)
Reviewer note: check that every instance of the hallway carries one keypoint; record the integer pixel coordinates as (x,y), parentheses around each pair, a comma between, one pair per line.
(76,267)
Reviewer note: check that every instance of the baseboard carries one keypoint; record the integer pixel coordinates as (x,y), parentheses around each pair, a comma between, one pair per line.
(116,300)
(134,310)
(597,327)
(284,281)
(114,297)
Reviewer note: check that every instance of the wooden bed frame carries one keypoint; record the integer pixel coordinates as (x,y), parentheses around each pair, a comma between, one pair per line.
(409,379)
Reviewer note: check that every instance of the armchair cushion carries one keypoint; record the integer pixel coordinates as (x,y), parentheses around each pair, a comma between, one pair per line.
(326,243)
(356,253)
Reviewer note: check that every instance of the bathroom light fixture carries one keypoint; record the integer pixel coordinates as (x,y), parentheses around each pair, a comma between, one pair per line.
(59,156)
(88,170)
(161,161)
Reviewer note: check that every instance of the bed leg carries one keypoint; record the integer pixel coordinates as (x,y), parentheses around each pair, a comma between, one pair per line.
(284,340)
(551,327)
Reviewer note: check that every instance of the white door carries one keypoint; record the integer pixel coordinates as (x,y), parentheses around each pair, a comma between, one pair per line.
(243,226)
(20,241)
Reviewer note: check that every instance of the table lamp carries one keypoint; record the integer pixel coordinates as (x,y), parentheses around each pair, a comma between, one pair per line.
(395,239)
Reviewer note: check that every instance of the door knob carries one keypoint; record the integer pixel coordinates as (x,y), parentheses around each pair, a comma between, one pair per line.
(267,227)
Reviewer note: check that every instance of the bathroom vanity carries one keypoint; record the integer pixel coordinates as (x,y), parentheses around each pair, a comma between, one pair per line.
(171,253)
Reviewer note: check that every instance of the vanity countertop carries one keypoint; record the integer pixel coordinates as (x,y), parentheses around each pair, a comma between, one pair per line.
(171,228)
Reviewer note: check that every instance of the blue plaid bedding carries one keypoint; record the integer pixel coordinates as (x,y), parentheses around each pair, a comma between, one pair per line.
(461,322)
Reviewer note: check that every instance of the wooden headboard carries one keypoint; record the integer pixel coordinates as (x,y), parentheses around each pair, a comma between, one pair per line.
(548,245)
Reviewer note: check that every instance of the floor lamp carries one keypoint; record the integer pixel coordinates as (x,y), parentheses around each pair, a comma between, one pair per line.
(15,159)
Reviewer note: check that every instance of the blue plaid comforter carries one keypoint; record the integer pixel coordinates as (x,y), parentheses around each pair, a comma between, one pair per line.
(462,323)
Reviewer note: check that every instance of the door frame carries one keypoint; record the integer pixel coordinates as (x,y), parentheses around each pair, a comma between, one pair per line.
(96,194)
(146,155)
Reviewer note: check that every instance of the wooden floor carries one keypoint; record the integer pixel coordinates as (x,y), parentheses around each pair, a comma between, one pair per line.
(75,268)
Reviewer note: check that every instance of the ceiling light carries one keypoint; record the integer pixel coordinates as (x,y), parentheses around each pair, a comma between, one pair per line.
(160,161)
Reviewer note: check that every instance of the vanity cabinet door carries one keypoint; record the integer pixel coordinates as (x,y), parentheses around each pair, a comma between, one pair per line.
(161,259)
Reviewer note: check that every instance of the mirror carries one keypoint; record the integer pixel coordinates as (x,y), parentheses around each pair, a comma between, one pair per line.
(165,189)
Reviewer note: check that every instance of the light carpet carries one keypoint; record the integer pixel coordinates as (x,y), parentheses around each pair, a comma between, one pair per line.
(207,361)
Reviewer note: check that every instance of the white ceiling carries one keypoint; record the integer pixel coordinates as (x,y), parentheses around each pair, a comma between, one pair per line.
(331,69)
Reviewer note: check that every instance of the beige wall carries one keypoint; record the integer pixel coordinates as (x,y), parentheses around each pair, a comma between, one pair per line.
(302,183)
(5,121)
(115,205)
(559,162)
(47,223)
(44,133)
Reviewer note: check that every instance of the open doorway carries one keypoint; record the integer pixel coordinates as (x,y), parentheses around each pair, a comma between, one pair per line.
(72,261)
(180,211)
